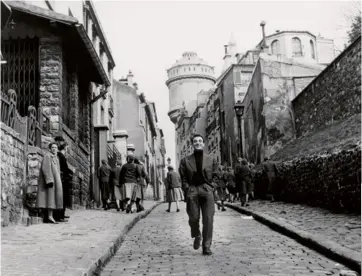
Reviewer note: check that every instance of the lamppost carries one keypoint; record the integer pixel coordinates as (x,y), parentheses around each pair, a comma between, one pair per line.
(239,111)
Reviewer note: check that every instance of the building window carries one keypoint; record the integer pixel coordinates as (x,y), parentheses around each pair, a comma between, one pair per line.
(102,115)
(237,77)
(275,47)
(312,50)
(297,47)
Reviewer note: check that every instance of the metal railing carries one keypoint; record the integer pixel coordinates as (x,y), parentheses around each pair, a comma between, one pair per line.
(27,126)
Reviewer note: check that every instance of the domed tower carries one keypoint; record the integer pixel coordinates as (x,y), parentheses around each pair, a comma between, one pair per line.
(187,77)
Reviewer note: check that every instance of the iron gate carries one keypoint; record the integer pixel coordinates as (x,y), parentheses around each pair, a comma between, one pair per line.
(20,72)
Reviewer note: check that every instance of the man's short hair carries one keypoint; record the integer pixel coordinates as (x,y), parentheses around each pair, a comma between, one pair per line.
(197,135)
(62,146)
(170,168)
(130,158)
(51,144)
(104,161)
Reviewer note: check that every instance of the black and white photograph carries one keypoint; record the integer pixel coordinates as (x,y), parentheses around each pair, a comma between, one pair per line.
(180,137)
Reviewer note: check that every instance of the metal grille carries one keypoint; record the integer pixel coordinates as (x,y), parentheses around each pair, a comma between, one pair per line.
(20,72)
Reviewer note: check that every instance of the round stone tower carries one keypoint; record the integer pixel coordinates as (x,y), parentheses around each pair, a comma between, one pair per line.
(187,77)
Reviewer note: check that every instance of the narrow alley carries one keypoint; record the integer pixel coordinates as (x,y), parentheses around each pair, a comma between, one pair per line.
(160,244)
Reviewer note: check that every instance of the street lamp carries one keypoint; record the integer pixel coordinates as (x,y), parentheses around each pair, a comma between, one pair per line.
(239,111)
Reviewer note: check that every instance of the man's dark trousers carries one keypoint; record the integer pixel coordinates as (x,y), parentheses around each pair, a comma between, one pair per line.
(201,197)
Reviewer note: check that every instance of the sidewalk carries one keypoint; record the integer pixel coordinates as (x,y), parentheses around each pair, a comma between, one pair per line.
(337,235)
(77,247)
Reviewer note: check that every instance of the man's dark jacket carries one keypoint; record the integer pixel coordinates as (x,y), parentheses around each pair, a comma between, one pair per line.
(130,173)
(187,170)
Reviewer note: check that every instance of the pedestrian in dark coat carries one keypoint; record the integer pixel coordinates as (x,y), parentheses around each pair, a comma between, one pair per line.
(243,175)
(229,177)
(252,176)
(129,178)
(270,170)
(173,188)
(143,182)
(196,172)
(221,191)
(66,176)
(50,191)
(115,177)
(103,175)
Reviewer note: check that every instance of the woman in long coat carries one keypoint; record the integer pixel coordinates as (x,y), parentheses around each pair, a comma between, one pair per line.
(174,192)
(50,190)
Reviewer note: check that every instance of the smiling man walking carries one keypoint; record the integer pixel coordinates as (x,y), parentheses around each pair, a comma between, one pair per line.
(196,171)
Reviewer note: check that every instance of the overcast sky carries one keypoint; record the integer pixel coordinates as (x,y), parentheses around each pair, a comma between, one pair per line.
(148,37)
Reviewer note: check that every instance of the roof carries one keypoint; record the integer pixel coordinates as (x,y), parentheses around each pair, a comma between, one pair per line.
(101,76)
(190,58)
(5,14)
(40,12)
(284,32)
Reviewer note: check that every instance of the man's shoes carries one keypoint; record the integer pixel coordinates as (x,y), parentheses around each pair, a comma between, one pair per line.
(206,251)
(197,242)
(178,210)
(223,209)
(168,210)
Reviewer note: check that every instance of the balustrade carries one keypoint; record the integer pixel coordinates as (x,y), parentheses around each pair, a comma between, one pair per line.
(28,126)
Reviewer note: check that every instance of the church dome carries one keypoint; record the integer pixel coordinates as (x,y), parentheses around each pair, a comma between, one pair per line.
(189,58)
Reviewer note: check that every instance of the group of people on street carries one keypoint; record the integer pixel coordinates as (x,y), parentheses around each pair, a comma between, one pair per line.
(235,184)
(54,183)
(128,182)
(204,183)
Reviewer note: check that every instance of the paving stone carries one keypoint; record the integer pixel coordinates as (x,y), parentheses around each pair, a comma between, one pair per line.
(343,229)
(61,249)
(241,247)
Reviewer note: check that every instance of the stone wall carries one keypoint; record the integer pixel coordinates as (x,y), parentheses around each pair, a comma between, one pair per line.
(322,167)
(334,95)
(51,74)
(78,157)
(12,175)
(328,180)
(332,181)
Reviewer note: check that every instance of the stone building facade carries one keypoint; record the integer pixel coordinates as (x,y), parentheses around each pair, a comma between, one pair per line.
(136,131)
(61,69)
(322,166)
(268,120)
(302,46)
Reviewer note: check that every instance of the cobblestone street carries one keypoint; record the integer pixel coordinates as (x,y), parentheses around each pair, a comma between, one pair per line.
(161,245)
(344,229)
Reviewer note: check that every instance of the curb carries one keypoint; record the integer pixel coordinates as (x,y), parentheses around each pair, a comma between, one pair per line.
(102,260)
(317,242)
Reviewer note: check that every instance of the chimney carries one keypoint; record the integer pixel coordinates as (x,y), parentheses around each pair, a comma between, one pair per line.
(262,24)
(226,49)
(130,78)
(135,85)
